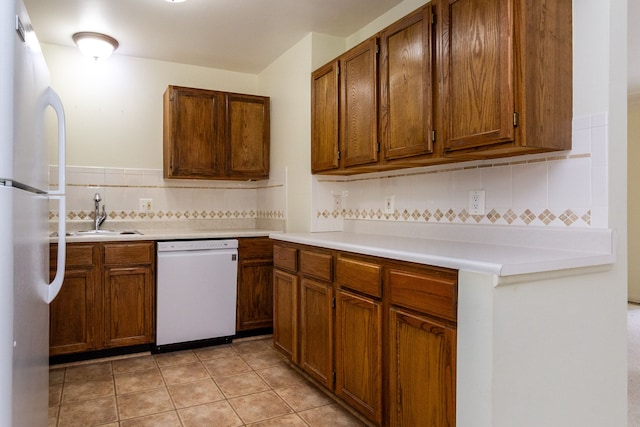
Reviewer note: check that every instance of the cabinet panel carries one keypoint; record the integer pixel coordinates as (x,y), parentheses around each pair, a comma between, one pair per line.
(406,95)
(316,330)
(285,257)
(325,131)
(316,264)
(506,72)
(359,275)
(359,104)
(480,78)
(247,138)
(193,133)
(129,253)
(78,255)
(255,284)
(359,353)
(422,371)
(255,295)
(73,314)
(255,248)
(128,312)
(424,293)
(285,313)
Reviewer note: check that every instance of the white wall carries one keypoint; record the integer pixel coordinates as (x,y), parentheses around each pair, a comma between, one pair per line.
(287,82)
(114,108)
(634,196)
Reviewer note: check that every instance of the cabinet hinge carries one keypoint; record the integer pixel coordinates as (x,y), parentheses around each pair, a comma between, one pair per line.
(378,147)
(333,302)
(377,48)
(516,119)
(333,376)
(338,69)
(433,18)
(338,154)
(433,136)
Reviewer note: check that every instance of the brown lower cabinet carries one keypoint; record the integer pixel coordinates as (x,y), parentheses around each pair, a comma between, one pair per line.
(380,334)
(255,284)
(106,299)
(285,313)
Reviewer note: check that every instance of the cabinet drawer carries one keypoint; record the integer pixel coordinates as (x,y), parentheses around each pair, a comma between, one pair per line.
(128,253)
(424,293)
(255,247)
(78,255)
(359,275)
(285,257)
(316,265)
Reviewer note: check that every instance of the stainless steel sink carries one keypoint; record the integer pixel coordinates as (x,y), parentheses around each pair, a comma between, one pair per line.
(95,232)
(99,233)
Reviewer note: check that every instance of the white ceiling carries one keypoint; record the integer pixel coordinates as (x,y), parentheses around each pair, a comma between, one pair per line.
(235,35)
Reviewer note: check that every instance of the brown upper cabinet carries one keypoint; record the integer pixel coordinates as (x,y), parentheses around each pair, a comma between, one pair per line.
(406,117)
(358,104)
(506,74)
(325,118)
(215,135)
(455,80)
(344,97)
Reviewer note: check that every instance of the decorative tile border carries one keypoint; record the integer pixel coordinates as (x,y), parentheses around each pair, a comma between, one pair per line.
(498,217)
(174,215)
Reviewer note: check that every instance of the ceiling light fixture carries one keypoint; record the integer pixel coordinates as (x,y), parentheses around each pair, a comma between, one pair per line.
(175,1)
(95,45)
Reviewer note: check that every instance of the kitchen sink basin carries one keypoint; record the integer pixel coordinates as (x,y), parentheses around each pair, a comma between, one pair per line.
(99,233)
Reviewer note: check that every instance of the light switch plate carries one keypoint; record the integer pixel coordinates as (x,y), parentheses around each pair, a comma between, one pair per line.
(476,202)
(389,203)
(337,202)
(145,205)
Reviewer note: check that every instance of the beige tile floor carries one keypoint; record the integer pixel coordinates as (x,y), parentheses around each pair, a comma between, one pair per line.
(246,383)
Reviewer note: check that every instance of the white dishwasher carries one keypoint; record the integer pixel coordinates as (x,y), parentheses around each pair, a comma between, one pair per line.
(196,293)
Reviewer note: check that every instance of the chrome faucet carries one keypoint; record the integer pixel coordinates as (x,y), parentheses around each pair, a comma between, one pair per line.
(98,218)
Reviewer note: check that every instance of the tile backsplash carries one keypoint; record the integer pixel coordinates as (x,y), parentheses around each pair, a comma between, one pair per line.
(564,189)
(246,203)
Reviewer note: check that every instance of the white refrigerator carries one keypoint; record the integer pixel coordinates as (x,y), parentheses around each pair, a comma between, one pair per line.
(25,292)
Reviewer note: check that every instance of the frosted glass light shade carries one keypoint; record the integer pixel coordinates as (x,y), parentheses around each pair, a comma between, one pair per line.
(95,45)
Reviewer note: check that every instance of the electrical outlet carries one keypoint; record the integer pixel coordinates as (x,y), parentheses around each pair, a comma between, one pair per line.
(145,205)
(389,203)
(476,202)
(337,202)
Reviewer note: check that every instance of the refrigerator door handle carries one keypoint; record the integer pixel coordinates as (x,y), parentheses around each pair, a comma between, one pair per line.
(59,194)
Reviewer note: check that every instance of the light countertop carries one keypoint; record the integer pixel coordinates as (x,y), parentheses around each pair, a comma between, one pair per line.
(484,251)
(169,234)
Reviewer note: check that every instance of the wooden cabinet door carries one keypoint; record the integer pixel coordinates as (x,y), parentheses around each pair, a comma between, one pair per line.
(316,330)
(477,99)
(406,89)
(359,353)
(255,284)
(193,133)
(74,315)
(422,371)
(255,294)
(359,104)
(247,136)
(325,131)
(128,305)
(285,313)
